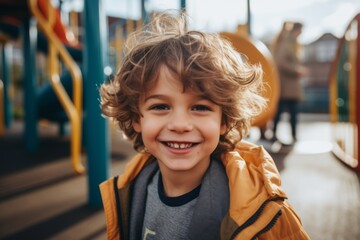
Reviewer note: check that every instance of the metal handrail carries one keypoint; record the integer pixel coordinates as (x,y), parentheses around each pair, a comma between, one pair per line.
(73,109)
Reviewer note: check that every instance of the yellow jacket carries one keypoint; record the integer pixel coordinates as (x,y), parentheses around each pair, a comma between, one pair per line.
(258,208)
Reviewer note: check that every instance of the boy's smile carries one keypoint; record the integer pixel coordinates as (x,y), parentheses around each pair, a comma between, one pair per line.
(177,145)
(180,128)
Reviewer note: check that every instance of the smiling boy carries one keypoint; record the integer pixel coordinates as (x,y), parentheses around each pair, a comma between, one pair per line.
(186,99)
(180,129)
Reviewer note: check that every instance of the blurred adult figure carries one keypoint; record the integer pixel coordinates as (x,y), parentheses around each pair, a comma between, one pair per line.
(286,50)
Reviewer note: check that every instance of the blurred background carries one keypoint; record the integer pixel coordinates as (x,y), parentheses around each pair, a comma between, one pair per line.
(55,147)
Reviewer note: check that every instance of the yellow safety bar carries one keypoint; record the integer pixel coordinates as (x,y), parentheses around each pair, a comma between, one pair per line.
(73,109)
(74,25)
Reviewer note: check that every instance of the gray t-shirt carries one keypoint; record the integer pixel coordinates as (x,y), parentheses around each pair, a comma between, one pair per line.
(167,217)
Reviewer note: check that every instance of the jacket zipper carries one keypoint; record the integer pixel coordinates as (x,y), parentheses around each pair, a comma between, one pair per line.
(254,217)
(269,226)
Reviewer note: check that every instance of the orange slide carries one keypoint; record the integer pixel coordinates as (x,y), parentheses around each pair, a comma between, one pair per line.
(257,53)
(64,34)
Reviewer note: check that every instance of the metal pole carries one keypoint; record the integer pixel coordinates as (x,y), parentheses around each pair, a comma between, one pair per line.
(96,129)
(144,13)
(249,17)
(30,99)
(183,5)
(6,81)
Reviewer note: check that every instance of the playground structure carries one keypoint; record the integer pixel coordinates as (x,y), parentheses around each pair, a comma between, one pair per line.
(47,16)
(344,96)
(57,36)
(27,14)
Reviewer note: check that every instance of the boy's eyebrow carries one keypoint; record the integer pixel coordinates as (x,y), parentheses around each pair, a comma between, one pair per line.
(156,96)
(163,97)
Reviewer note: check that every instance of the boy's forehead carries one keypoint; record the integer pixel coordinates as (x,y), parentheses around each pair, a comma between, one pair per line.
(165,86)
(169,85)
(166,76)
(165,71)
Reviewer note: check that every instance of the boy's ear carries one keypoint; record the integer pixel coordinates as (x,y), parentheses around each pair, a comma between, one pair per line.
(137,126)
(223,129)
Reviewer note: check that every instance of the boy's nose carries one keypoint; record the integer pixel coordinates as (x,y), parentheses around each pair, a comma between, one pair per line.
(180,122)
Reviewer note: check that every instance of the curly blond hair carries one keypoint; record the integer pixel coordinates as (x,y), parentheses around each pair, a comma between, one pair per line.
(203,62)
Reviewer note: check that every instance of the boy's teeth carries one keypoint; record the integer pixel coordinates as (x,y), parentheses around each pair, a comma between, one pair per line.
(179,145)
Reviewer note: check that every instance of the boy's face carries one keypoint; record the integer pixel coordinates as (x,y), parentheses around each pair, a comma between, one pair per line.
(181,129)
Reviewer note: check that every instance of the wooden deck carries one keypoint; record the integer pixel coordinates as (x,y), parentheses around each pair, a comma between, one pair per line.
(40,197)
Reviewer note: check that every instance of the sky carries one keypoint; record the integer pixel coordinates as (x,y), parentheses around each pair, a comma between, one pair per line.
(267,16)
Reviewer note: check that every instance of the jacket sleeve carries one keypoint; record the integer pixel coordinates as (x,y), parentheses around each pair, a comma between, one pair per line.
(287,227)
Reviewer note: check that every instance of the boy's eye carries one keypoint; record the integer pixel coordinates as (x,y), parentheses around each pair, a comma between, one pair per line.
(159,107)
(201,108)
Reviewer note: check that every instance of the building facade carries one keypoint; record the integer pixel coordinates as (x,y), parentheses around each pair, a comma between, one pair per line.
(318,57)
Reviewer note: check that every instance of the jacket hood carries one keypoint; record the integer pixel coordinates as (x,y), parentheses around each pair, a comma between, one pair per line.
(251,169)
